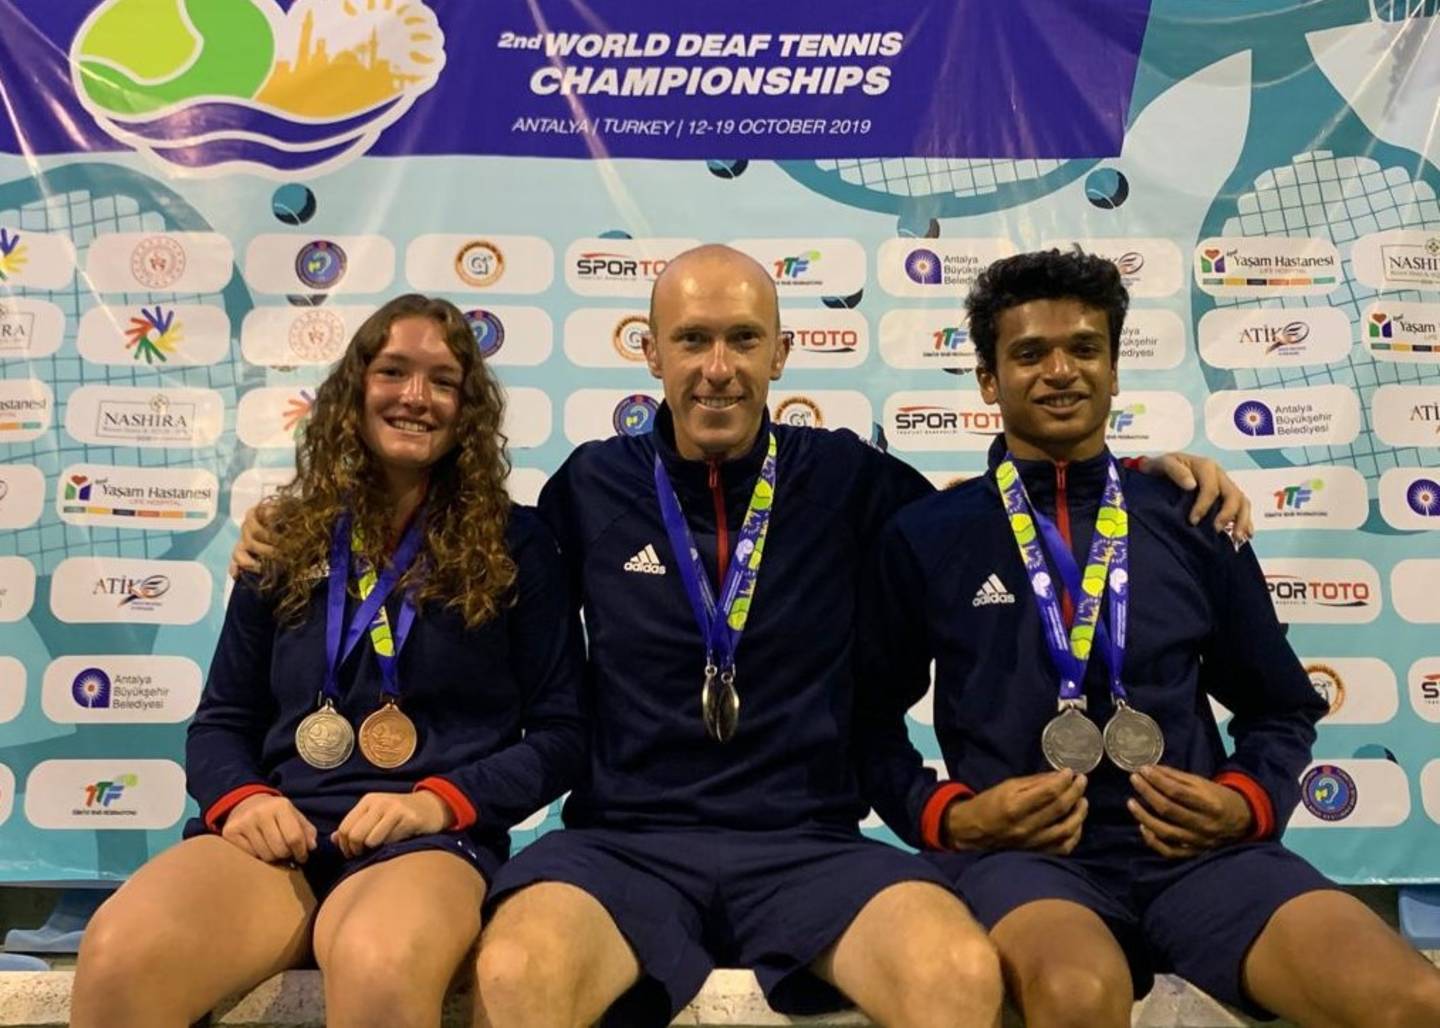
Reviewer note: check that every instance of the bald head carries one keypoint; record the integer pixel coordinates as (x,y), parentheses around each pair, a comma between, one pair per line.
(714,268)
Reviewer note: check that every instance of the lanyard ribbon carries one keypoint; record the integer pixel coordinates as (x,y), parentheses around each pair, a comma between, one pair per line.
(374,590)
(1107,564)
(721,623)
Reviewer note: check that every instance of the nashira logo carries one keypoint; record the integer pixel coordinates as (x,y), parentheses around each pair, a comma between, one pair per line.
(220,85)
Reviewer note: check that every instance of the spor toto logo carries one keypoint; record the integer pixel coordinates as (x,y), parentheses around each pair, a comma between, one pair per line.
(604,264)
(321,264)
(635,415)
(1423,497)
(1254,418)
(1321,592)
(479,263)
(1328,792)
(91,688)
(923,266)
(488,329)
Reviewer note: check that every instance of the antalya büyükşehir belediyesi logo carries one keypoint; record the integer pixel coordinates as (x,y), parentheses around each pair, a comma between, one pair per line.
(225,85)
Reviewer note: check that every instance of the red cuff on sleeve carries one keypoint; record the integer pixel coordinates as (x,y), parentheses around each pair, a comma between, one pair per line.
(1133,463)
(1256,798)
(232,799)
(460,808)
(934,812)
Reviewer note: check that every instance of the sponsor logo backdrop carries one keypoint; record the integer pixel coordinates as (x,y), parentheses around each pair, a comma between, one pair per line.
(183,253)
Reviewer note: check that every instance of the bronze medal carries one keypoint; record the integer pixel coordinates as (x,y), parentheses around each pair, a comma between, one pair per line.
(388,737)
(325,739)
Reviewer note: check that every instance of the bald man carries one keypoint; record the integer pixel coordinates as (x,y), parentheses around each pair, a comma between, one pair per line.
(717,560)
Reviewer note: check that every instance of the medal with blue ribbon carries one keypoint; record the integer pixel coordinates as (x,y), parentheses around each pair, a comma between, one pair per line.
(721,623)
(325,739)
(1071,740)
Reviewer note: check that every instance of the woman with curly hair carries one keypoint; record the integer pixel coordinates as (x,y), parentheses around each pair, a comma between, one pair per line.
(395,688)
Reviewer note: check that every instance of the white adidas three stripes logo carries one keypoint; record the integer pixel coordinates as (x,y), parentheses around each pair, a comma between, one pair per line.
(646,562)
(992,590)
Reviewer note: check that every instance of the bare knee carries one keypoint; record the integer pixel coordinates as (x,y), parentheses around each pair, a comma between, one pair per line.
(963,968)
(1415,1003)
(1064,995)
(521,980)
(368,975)
(121,967)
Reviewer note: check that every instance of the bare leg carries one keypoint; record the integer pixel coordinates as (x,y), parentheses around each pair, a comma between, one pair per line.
(201,921)
(390,937)
(1325,959)
(1063,967)
(914,957)
(551,957)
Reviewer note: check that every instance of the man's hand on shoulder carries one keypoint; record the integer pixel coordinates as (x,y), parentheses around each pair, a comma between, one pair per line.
(1209,482)
(257,541)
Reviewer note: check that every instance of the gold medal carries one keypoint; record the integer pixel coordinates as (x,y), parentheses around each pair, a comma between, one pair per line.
(388,737)
(325,739)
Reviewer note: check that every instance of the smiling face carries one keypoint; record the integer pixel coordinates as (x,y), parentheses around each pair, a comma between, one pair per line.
(412,398)
(1053,379)
(715,343)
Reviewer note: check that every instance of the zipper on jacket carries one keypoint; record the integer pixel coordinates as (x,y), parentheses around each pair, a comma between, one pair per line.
(722,528)
(1062,522)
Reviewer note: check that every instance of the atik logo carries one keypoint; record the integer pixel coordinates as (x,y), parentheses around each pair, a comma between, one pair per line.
(136,593)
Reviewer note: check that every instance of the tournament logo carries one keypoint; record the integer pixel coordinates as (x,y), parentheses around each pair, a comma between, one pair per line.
(1326,681)
(951,339)
(91,688)
(321,264)
(14,255)
(224,85)
(479,263)
(799,412)
(1254,418)
(1296,497)
(1328,792)
(1122,418)
(635,415)
(154,335)
(317,335)
(794,270)
(488,330)
(924,267)
(629,337)
(157,262)
(1423,497)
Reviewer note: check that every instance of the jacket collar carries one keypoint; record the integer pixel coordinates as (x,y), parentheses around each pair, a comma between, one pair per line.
(737,469)
(1084,479)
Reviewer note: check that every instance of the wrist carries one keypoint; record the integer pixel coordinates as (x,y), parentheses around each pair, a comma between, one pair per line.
(960,831)
(434,811)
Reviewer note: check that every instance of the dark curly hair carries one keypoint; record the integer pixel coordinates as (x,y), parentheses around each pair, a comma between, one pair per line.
(464,562)
(1044,275)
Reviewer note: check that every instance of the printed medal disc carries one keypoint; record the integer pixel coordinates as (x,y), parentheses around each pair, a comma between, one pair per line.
(1133,739)
(1072,742)
(325,739)
(388,737)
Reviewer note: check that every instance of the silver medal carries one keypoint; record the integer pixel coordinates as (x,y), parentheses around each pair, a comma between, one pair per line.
(1133,739)
(1072,742)
(324,738)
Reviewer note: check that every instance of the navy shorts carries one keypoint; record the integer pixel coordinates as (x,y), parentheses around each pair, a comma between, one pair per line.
(689,900)
(1195,918)
(327,867)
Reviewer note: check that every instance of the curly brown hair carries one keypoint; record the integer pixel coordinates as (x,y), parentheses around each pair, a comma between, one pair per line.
(463,563)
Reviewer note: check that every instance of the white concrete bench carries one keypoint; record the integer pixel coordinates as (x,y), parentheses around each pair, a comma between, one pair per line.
(730,999)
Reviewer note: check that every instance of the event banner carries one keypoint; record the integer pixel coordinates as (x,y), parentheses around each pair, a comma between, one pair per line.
(200,201)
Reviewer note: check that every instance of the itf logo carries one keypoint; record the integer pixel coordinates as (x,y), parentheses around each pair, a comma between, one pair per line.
(1295,497)
(1212,261)
(1328,792)
(1423,497)
(1254,418)
(246,84)
(950,339)
(154,335)
(924,267)
(103,794)
(14,255)
(91,688)
(1124,417)
(796,267)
